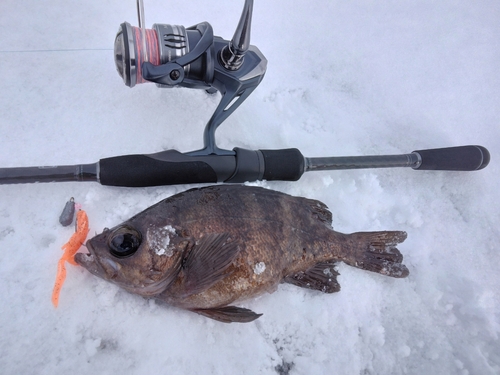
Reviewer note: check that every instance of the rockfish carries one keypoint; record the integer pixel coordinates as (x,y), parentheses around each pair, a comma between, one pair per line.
(205,249)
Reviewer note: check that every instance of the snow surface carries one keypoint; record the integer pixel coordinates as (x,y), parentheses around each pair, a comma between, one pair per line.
(344,78)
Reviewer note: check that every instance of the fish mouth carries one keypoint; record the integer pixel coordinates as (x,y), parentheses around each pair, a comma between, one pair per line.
(109,270)
(88,261)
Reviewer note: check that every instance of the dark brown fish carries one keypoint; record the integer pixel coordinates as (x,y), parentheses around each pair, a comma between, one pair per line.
(204,249)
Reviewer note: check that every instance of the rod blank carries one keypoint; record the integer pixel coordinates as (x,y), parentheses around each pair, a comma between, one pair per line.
(61,173)
(360,162)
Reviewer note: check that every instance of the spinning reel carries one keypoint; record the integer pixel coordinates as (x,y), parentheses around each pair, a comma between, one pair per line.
(172,55)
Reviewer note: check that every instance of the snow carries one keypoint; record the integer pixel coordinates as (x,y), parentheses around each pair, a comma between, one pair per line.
(259,268)
(344,78)
(159,240)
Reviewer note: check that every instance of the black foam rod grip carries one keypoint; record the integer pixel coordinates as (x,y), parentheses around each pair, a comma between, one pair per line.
(142,170)
(461,158)
(285,165)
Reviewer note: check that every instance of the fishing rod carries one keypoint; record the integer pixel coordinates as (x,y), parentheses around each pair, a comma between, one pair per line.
(172,167)
(192,57)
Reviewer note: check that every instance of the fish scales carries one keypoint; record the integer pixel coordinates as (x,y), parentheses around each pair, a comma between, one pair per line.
(207,248)
(268,225)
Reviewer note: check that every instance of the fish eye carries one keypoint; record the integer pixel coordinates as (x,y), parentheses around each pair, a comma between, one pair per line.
(124,241)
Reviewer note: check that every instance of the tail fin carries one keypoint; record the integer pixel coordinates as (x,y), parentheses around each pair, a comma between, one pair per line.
(376,252)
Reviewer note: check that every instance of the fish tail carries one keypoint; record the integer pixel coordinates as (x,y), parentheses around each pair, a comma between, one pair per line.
(377,252)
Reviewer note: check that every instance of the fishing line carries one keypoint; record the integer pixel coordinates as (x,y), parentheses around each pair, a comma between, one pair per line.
(56,50)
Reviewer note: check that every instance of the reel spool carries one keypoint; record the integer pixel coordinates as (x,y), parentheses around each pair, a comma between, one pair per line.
(161,45)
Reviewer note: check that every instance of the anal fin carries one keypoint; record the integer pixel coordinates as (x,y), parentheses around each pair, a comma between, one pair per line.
(229,314)
(322,277)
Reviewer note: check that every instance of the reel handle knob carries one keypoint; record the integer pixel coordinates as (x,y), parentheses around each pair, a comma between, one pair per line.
(233,54)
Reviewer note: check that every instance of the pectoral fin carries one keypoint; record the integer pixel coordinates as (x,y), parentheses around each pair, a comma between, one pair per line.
(208,261)
(229,314)
(322,277)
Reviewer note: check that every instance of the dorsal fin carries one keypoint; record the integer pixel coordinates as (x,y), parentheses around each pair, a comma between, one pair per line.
(320,210)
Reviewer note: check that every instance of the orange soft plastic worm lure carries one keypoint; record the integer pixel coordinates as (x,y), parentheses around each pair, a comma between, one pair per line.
(70,248)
